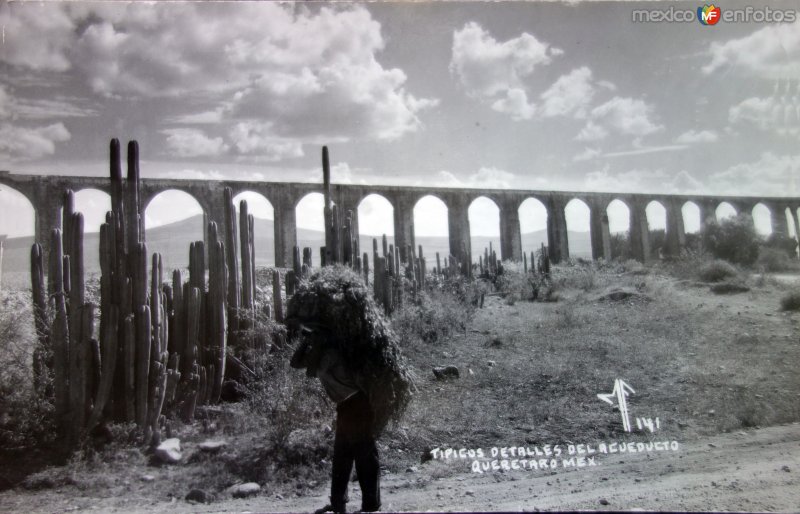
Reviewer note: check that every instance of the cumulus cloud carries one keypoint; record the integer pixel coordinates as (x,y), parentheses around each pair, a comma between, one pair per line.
(342,173)
(485,177)
(264,59)
(697,136)
(642,180)
(570,95)
(192,174)
(627,116)
(773,51)
(486,67)
(257,139)
(23,143)
(779,113)
(592,132)
(48,51)
(516,104)
(771,174)
(185,142)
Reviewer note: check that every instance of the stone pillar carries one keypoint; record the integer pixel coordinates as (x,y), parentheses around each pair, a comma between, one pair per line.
(780,226)
(213,204)
(744,208)
(675,236)
(557,243)
(404,224)
(639,232)
(510,234)
(458,224)
(708,212)
(47,202)
(285,228)
(796,217)
(606,231)
(600,235)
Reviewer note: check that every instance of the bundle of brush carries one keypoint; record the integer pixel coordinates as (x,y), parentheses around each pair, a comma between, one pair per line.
(337,298)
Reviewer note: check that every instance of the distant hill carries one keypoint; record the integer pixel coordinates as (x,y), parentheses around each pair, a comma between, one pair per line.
(173,240)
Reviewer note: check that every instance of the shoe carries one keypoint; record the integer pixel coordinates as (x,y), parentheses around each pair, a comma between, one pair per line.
(326,508)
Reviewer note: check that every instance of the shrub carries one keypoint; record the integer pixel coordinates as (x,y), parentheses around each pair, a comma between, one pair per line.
(436,314)
(620,246)
(657,239)
(693,242)
(774,259)
(25,416)
(517,285)
(733,239)
(785,244)
(716,271)
(791,301)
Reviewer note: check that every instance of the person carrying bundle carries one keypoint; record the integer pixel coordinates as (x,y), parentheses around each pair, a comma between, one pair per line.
(344,340)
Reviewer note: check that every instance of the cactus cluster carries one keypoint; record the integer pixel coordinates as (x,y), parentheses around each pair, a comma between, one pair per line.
(159,346)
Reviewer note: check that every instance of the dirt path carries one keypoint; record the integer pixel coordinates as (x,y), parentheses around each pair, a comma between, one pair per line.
(754,470)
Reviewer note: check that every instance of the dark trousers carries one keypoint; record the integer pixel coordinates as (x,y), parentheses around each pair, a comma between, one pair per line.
(354,442)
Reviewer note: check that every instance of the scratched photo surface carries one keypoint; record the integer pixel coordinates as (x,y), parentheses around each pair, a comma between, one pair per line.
(578,221)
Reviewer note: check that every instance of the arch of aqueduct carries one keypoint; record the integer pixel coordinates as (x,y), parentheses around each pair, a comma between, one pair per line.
(46,194)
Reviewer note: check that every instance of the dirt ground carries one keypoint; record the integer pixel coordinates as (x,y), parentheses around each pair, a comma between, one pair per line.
(719,371)
(753,470)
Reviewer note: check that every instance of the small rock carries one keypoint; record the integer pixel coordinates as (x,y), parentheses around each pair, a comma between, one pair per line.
(491,363)
(786,469)
(278,496)
(711,412)
(712,445)
(445,372)
(148,478)
(212,446)
(169,451)
(199,496)
(412,469)
(244,490)
(496,342)
(603,501)
(469,492)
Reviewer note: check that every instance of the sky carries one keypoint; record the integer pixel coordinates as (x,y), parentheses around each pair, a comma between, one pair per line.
(548,96)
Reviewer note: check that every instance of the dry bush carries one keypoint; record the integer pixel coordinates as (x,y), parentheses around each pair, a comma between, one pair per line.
(518,285)
(436,314)
(791,301)
(773,260)
(25,416)
(578,274)
(717,271)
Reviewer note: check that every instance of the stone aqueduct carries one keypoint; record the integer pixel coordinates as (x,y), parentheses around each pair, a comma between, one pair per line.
(46,195)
